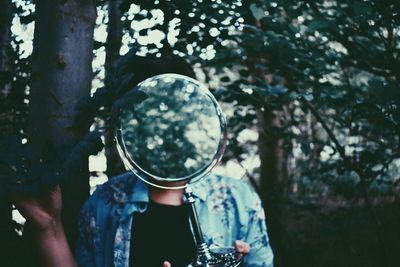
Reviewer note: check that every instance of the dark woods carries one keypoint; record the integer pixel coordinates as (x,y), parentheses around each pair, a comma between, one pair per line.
(310,88)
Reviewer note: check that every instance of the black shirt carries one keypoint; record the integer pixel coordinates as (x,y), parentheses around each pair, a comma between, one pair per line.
(162,233)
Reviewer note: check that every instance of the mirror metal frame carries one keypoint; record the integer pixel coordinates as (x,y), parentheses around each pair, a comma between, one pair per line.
(173,182)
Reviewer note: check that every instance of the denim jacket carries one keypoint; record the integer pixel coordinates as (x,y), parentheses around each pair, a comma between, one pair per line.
(227,208)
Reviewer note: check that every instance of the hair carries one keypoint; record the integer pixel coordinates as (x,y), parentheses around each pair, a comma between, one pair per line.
(146,67)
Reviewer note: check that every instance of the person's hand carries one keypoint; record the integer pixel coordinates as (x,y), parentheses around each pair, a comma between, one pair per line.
(240,246)
(43,213)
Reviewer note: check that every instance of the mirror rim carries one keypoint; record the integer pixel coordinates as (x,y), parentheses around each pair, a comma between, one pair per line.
(173,182)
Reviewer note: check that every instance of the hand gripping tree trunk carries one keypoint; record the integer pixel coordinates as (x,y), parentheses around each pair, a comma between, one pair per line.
(61,76)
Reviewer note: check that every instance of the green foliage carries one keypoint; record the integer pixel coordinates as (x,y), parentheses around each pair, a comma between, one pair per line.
(339,58)
(325,73)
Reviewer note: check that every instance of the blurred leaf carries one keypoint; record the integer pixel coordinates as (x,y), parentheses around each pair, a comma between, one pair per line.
(257,12)
(277,90)
(361,8)
(320,24)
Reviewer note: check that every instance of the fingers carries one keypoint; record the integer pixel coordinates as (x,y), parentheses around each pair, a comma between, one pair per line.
(242,247)
(43,210)
(166,264)
(54,196)
(55,190)
(25,204)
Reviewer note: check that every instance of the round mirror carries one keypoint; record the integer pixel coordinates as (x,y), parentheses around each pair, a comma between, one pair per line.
(170,129)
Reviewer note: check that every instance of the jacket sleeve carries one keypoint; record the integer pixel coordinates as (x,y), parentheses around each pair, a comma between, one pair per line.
(87,229)
(261,254)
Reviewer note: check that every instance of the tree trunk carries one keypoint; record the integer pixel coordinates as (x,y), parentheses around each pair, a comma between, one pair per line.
(5,47)
(273,173)
(61,76)
(272,155)
(114,36)
(113,45)
(8,235)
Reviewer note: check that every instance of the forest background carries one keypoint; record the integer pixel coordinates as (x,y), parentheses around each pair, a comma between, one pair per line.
(310,88)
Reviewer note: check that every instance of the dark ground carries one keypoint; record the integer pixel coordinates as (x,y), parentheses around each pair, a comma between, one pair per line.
(314,236)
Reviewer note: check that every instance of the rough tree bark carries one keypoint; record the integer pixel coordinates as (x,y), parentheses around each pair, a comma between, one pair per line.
(61,76)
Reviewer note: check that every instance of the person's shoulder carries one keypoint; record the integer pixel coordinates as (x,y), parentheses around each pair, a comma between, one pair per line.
(239,192)
(216,180)
(114,191)
(118,183)
(237,188)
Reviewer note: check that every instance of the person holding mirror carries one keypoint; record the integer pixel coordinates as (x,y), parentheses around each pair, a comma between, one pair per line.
(170,135)
(53,247)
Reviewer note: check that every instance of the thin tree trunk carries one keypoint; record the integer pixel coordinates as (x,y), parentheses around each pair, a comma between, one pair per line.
(313,135)
(7,233)
(114,37)
(61,76)
(6,14)
(272,155)
(273,173)
(113,45)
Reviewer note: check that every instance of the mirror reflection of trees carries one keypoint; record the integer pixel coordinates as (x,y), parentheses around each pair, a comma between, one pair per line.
(175,131)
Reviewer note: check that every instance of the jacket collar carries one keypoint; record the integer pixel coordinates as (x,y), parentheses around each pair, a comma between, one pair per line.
(138,197)
(140,191)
